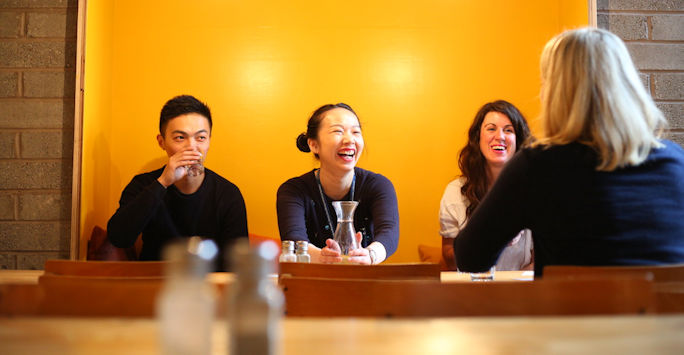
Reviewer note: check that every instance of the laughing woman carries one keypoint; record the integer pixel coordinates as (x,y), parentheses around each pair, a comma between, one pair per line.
(498,131)
(304,203)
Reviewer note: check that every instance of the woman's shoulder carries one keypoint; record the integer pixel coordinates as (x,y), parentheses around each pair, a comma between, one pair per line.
(456,184)
(301,182)
(671,149)
(557,155)
(668,157)
(452,192)
(364,176)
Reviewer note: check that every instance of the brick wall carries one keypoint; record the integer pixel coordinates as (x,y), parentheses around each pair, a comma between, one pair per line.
(654,33)
(37,63)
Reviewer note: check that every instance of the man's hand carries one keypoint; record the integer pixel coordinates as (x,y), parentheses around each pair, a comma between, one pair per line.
(176,168)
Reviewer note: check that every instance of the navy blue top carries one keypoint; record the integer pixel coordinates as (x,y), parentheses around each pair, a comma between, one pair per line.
(580,216)
(301,215)
(216,210)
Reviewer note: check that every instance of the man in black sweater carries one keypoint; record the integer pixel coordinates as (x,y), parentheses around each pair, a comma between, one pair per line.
(183,198)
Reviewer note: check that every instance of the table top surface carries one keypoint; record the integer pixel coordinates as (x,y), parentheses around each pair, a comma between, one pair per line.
(31,276)
(494,335)
(20,276)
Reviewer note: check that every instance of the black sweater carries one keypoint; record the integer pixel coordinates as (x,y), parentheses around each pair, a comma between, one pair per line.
(216,210)
(580,216)
(301,215)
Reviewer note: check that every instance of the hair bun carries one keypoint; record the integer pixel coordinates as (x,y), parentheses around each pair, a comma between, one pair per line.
(302,143)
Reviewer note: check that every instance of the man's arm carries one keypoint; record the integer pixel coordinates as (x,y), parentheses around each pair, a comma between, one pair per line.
(139,202)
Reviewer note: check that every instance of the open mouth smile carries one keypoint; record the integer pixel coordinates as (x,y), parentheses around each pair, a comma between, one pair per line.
(498,148)
(347,154)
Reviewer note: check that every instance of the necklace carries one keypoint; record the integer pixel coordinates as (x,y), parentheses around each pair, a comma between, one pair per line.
(325,204)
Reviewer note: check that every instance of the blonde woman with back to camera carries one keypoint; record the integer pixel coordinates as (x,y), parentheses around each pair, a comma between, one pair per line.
(599,187)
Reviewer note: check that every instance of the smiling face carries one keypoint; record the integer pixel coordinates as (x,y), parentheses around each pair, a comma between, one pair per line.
(340,142)
(189,131)
(497,139)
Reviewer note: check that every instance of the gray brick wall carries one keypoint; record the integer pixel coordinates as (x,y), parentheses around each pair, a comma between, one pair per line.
(37,75)
(654,33)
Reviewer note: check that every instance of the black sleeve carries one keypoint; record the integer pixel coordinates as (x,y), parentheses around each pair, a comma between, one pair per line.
(139,202)
(385,213)
(496,221)
(233,224)
(235,217)
(291,207)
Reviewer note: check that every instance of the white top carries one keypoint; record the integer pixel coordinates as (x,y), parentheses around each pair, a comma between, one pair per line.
(452,218)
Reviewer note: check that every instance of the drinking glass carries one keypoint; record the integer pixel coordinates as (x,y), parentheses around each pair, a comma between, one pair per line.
(197,168)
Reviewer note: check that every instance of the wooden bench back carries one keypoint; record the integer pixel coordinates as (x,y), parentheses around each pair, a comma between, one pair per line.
(411,271)
(105,268)
(668,280)
(99,296)
(318,297)
(661,273)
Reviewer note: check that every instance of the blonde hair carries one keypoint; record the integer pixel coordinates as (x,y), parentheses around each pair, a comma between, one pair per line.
(591,94)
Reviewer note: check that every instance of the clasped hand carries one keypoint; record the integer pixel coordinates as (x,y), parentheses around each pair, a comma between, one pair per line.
(332,253)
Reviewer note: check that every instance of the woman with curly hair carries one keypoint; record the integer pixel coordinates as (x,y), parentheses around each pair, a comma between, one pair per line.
(497,132)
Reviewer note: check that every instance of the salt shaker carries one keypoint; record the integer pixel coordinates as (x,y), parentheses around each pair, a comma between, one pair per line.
(287,254)
(303,252)
(186,299)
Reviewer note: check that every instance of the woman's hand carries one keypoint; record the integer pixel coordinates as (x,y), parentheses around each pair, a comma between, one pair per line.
(360,256)
(333,254)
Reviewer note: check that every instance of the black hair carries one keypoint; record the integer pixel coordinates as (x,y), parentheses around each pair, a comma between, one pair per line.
(314,124)
(182,105)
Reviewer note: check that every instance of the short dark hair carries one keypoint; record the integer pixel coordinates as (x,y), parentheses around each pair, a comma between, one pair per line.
(314,124)
(182,105)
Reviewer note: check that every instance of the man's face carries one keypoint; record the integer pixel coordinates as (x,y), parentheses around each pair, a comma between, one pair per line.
(186,132)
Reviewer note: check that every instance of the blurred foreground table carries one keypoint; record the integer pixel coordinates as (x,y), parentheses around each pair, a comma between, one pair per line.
(518,335)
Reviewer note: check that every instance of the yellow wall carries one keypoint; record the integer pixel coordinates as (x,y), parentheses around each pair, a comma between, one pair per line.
(415,71)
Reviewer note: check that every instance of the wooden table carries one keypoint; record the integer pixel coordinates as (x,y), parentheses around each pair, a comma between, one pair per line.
(446,276)
(20,276)
(453,276)
(518,335)
(218,278)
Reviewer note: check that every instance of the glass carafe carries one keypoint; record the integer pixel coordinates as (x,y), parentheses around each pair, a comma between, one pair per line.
(345,235)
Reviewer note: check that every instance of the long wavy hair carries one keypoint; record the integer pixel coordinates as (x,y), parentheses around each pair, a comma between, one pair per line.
(473,164)
(591,94)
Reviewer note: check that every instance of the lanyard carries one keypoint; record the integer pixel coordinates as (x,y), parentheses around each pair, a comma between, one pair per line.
(325,204)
